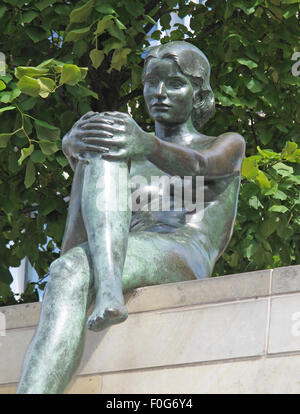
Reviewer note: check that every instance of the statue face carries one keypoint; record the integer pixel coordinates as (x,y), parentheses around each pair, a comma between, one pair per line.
(168,93)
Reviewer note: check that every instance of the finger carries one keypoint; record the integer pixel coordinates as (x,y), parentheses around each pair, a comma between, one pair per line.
(106,127)
(116,114)
(101,120)
(105,141)
(81,159)
(84,121)
(89,114)
(115,155)
(95,133)
(80,148)
(94,148)
(114,120)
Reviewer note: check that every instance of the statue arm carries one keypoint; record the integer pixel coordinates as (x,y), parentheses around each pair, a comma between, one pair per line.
(222,159)
(65,150)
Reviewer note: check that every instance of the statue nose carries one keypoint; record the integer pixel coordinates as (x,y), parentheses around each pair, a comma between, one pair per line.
(161,90)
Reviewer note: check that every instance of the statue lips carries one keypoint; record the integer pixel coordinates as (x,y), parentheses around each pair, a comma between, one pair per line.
(160,106)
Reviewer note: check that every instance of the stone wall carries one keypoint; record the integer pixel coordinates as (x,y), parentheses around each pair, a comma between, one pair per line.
(231,334)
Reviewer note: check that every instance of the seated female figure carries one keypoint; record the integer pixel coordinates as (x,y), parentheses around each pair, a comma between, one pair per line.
(107,251)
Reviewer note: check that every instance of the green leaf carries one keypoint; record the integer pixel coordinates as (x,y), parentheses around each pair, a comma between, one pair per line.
(268,154)
(37,157)
(289,149)
(278,209)
(7,108)
(280,195)
(4,138)
(136,76)
(36,34)
(2,10)
(61,159)
(249,168)
(29,86)
(149,19)
(2,85)
(25,152)
(70,74)
(87,92)
(48,147)
(83,73)
(120,24)
(119,59)
(42,4)
(80,48)
(29,174)
(82,13)
(47,64)
(254,85)
(47,86)
(33,72)
(283,170)
(134,8)
(46,206)
(104,7)
(112,44)
(45,131)
(77,34)
(268,227)
(116,32)
(262,180)
(276,11)
(247,62)
(104,24)
(96,57)
(255,203)
(5,275)
(29,16)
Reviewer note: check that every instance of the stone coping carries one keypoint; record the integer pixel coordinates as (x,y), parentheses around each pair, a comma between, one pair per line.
(249,320)
(213,290)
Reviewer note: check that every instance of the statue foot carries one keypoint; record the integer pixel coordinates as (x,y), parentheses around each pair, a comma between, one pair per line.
(103,318)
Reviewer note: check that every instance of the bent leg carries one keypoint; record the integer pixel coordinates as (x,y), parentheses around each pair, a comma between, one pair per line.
(56,348)
(107,226)
(157,258)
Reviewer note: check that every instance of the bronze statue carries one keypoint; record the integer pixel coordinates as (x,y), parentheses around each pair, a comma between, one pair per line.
(109,251)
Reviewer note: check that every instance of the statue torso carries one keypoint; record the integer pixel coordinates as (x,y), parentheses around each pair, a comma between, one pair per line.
(219,194)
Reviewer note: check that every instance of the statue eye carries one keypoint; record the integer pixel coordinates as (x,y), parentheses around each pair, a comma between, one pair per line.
(150,81)
(175,83)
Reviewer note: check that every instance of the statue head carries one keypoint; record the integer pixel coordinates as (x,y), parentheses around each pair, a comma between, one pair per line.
(193,64)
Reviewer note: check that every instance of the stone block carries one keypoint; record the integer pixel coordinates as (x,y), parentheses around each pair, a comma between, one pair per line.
(84,385)
(284,333)
(286,280)
(199,292)
(256,376)
(178,336)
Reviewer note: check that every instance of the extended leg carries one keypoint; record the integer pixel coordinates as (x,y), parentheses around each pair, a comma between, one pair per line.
(56,348)
(106,217)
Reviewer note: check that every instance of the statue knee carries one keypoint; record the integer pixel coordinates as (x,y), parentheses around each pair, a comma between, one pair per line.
(68,275)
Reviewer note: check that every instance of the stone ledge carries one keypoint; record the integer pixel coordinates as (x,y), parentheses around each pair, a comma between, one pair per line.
(182,327)
(286,280)
(278,375)
(196,292)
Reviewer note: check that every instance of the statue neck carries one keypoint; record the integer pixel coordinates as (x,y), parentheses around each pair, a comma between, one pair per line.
(176,133)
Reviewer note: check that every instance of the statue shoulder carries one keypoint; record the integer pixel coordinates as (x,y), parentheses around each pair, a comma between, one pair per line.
(229,141)
(232,140)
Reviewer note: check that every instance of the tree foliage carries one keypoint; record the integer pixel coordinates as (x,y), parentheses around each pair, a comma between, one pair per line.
(65,58)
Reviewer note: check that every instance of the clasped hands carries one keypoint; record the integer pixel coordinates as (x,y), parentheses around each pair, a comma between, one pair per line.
(115,135)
